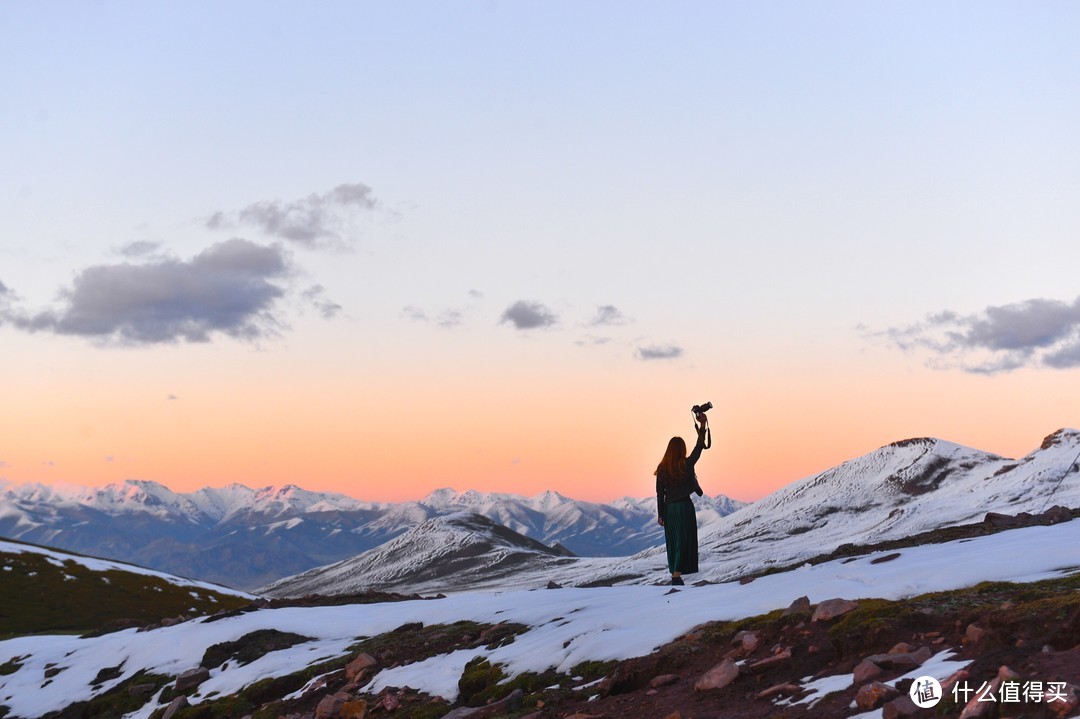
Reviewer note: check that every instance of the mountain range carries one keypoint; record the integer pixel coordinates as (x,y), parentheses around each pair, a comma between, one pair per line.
(246,538)
(902,489)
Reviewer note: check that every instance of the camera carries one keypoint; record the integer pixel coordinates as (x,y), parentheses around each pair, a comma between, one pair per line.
(701,408)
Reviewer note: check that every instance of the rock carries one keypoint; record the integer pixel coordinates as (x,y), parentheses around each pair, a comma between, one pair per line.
(191,678)
(674,715)
(358,666)
(802,604)
(554,585)
(174,706)
(330,705)
(873,695)
(786,688)
(506,705)
(663,680)
(1001,521)
(356,709)
(865,671)
(747,642)
(777,658)
(1057,514)
(718,677)
(898,708)
(138,690)
(973,634)
(909,660)
(832,608)
(390,702)
(902,648)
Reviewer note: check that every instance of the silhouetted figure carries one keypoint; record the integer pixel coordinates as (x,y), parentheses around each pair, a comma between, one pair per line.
(675,481)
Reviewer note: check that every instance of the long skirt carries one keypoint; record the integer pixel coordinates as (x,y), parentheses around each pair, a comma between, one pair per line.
(680,533)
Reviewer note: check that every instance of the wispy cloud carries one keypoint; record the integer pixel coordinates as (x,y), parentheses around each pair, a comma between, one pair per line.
(228,288)
(525,315)
(659,352)
(608,315)
(315,221)
(447,319)
(139,248)
(1033,333)
(316,297)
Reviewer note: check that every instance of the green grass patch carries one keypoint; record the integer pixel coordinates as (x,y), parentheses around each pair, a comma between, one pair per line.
(45,595)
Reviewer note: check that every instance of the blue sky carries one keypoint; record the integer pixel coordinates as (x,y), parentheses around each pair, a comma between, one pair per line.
(843,222)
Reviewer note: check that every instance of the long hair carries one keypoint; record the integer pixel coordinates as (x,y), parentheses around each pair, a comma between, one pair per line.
(673,465)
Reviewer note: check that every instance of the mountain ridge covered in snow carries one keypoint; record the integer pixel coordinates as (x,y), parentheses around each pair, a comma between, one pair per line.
(900,489)
(245,537)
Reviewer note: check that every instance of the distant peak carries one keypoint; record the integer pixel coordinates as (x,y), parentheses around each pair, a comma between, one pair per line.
(1059,437)
(913,442)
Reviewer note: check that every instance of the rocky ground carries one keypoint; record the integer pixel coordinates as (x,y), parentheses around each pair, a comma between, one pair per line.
(751,669)
(1015,636)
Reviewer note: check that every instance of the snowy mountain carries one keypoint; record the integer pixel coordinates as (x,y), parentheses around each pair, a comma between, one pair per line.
(460,550)
(896,491)
(247,537)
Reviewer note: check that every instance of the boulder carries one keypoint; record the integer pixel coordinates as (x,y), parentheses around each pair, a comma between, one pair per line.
(747,642)
(358,666)
(873,695)
(718,677)
(802,604)
(865,671)
(778,658)
(663,680)
(330,705)
(174,706)
(191,678)
(832,608)
(898,708)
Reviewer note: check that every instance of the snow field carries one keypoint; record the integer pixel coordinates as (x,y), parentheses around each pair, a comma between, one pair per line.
(568,625)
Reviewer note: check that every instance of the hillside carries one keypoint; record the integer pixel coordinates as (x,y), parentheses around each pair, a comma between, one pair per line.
(463,550)
(46,590)
(605,652)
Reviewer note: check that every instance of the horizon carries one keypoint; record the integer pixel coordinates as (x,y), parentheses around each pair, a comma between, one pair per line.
(447,488)
(385,248)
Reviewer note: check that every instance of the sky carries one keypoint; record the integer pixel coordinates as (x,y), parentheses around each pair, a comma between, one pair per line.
(380,248)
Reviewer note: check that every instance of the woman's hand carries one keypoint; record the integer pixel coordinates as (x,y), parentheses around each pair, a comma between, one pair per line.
(660,521)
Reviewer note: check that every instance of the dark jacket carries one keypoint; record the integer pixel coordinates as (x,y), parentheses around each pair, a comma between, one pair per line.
(668,491)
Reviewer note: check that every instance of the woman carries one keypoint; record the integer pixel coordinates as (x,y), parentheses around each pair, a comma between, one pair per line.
(675,480)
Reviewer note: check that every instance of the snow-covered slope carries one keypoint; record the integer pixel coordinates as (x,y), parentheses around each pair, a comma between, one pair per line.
(896,491)
(565,627)
(460,550)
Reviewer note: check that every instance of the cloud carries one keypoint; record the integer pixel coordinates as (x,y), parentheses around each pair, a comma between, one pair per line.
(314,296)
(608,315)
(139,248)
(528,315)
(659,352)
(228,288)
(1033,333)
(447,319)
(315,221)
